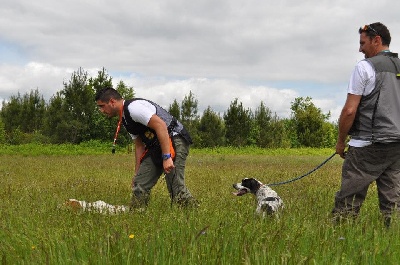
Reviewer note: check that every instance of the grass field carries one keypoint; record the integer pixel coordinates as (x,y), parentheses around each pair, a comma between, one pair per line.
(35,228)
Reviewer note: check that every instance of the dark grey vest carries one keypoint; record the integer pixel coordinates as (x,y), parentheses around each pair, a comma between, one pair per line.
(378,115)
(148,135)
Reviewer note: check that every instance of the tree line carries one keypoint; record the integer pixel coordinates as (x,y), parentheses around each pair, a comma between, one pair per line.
(71,116)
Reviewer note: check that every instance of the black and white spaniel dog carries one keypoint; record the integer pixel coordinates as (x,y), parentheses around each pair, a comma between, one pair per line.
(268,201)
(97,206)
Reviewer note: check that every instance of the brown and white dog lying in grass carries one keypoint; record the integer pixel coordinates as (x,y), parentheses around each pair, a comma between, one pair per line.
(97,206)
(268,201)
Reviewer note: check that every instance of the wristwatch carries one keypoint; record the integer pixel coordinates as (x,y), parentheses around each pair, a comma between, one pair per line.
(166,156)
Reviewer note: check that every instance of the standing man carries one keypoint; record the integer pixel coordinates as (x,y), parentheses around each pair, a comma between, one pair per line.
(371,116)
(161,146)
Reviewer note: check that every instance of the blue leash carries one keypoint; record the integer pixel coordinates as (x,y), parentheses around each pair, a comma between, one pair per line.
(302,176)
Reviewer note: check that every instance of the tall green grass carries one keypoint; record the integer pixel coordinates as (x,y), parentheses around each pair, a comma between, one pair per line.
(35,227)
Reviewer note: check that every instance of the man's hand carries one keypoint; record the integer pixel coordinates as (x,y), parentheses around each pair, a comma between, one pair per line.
(340,149)
(168,165)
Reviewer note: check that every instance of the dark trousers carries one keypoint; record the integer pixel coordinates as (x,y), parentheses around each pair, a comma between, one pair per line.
(361,167)
(149,173)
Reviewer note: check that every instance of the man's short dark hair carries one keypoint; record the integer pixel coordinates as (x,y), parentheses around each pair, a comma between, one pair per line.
(106,94)
(377,29)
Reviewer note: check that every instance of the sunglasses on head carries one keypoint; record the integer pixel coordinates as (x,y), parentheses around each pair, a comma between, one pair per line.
(368,28)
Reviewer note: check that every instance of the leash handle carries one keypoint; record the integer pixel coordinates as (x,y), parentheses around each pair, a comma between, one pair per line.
(302,176)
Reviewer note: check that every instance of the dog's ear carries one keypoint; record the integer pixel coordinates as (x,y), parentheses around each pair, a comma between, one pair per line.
(251,184)
(73,204)
(247,182)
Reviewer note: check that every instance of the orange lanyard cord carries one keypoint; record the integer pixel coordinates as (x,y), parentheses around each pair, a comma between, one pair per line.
(117,131)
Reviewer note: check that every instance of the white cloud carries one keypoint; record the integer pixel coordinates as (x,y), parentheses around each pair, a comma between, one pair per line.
(221,50)
(44,77)
(216,93)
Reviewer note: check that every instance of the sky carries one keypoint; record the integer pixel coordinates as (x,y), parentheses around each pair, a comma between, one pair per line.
(253,51)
